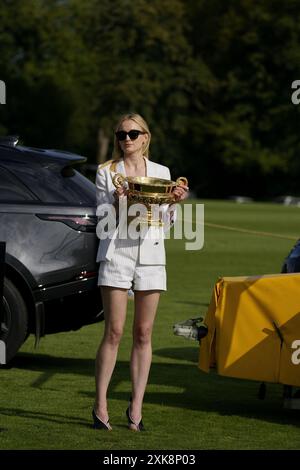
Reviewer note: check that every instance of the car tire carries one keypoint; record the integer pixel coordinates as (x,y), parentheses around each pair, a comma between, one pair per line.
(14,319)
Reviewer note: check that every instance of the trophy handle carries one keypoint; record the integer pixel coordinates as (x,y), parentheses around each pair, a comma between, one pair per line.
(118,180)
(182,181)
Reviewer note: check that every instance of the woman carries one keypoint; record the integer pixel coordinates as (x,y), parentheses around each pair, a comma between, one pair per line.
(125,264)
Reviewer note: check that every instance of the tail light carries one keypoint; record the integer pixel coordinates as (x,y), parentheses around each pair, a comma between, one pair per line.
(81,223)
(86,275)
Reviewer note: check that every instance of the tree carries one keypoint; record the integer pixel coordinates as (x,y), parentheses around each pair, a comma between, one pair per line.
(145,64)
(250,131)
(212,78)
(45,65)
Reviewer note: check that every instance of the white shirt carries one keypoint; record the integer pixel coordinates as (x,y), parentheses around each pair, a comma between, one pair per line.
(152,250)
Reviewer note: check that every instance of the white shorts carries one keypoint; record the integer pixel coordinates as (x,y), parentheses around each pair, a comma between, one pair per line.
(125,271)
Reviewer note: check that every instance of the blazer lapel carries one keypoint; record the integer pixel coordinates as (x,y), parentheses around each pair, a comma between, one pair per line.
(151,168)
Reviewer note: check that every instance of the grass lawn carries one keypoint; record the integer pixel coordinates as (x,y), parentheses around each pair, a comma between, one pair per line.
(47,395)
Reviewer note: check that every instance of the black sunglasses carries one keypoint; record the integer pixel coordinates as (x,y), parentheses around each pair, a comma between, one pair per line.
(133,134)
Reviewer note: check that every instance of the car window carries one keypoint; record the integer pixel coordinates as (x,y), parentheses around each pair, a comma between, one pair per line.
(53,184)
(12,190)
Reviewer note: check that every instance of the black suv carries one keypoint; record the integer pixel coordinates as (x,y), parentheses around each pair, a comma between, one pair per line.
(48,222)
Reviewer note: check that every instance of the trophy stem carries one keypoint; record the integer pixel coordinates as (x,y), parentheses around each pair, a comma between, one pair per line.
(149,214)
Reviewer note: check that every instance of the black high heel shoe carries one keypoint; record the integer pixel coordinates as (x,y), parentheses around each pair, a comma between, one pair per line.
(98,424)
(137,426)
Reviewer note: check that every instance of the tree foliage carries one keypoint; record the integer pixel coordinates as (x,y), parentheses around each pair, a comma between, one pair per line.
(252,49)
(212,78)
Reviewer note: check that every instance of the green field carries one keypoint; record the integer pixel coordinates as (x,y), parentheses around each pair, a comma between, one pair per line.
(47,395)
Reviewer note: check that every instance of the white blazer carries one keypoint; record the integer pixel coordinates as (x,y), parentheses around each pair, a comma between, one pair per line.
(152,250)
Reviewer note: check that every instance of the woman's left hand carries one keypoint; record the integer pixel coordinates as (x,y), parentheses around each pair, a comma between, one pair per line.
(180,192)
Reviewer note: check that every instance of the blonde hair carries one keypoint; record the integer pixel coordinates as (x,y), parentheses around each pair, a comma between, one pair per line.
(137,118)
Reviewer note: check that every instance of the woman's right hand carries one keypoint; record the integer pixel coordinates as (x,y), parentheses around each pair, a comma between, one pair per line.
(120,192)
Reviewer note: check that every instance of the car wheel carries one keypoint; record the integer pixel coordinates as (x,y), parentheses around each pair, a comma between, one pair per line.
(14,321)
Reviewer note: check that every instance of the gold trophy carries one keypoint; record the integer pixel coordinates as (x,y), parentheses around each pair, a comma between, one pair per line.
(147,190)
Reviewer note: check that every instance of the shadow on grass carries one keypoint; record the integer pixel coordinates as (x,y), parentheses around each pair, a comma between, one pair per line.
(189,354)
(42,416)
(201,392)
(187,302)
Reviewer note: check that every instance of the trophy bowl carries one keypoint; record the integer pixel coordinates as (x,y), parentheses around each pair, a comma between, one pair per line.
(148,191)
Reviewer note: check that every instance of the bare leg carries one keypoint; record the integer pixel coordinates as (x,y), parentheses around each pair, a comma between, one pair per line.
(146,303)
(115,305)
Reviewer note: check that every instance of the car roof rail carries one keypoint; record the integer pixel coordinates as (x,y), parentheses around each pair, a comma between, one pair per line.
(10,140)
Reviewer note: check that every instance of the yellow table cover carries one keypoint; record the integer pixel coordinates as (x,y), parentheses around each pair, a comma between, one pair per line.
(254,329)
